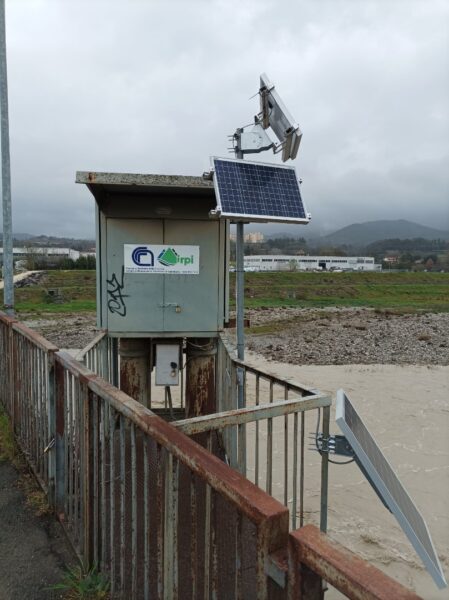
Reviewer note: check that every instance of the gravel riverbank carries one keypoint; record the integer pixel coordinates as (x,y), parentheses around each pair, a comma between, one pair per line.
(349,336)
(308,336)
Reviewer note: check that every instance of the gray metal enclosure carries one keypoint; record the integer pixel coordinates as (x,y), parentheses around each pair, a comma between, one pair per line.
(166,211)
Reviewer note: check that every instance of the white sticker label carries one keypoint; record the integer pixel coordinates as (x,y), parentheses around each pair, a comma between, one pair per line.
(156,258)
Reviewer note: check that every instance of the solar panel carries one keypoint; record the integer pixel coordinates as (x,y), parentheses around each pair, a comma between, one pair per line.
(252,191)
(388,486)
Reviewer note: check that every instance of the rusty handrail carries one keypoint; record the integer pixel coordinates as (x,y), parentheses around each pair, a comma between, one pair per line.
(287,383)
(240,416)
(34,337)
(251,500)
(341,568)
(97,339)
(7,320)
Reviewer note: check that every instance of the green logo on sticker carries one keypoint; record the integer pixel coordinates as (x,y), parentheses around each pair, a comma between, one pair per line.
(169,258)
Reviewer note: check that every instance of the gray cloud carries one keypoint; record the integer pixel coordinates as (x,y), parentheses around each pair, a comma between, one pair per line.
(156,86)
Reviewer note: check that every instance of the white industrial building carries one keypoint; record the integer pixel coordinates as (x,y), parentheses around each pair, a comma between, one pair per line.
(21,253)
(270,262)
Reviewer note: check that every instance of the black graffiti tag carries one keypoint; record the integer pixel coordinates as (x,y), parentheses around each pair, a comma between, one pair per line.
(116,302)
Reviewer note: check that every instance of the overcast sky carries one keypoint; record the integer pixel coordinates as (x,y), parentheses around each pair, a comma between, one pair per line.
(156,86)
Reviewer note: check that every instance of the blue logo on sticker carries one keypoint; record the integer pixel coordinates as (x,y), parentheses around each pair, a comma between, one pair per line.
(142,257)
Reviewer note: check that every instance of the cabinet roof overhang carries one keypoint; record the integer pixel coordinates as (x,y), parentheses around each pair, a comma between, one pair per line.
(104,185)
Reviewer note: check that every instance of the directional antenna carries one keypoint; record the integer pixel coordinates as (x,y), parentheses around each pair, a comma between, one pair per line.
(388,486)
(274,114)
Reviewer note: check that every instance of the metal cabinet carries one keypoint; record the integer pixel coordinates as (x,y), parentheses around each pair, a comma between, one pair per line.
(170,212)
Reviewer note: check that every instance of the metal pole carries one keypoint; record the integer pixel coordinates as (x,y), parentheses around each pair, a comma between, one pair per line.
(240,291)
(325,470)
(8,265)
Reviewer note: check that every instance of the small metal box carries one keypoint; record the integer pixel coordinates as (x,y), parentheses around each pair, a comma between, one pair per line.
(168,358)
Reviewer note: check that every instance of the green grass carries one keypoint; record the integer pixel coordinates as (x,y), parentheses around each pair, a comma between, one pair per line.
(66,307)
(389,290)
(76,290)
(83,583)
(411,291)
(8,448)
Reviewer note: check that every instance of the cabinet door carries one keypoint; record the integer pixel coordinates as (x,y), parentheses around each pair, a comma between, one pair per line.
(195,295)
(134,301)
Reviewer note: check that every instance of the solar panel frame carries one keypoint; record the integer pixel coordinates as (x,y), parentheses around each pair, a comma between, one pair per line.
(250,184)
(388,486)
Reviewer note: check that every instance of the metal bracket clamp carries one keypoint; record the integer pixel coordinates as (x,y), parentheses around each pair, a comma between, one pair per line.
(334,444)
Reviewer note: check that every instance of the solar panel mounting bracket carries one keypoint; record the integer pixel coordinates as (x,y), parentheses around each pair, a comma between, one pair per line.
(334,444)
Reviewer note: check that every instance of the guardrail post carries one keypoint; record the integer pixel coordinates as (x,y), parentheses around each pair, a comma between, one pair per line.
(88,454)
(60,441)
(14,381)
(114,362)
(51,415)
(303,583)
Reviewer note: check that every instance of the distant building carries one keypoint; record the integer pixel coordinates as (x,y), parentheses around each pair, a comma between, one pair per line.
(255,237)
(310,263)
(51,255)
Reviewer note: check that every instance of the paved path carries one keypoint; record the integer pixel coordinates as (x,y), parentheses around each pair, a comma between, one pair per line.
(33,550)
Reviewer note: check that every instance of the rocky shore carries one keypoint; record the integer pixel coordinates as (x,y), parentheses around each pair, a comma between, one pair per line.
(309,336)
(349,336)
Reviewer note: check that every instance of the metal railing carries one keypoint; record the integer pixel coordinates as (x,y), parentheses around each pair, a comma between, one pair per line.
(290,478)
(161,515)
(265,441)
(26,392)
(149,505)
(101,357)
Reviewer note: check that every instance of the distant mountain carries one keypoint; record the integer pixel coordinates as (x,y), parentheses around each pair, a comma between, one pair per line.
(18,236)
(362,234)
(53,241)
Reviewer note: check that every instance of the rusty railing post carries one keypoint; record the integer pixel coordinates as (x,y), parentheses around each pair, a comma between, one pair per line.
(15,381)
(87,457)
(51,416)
(303,584)
(60,441)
